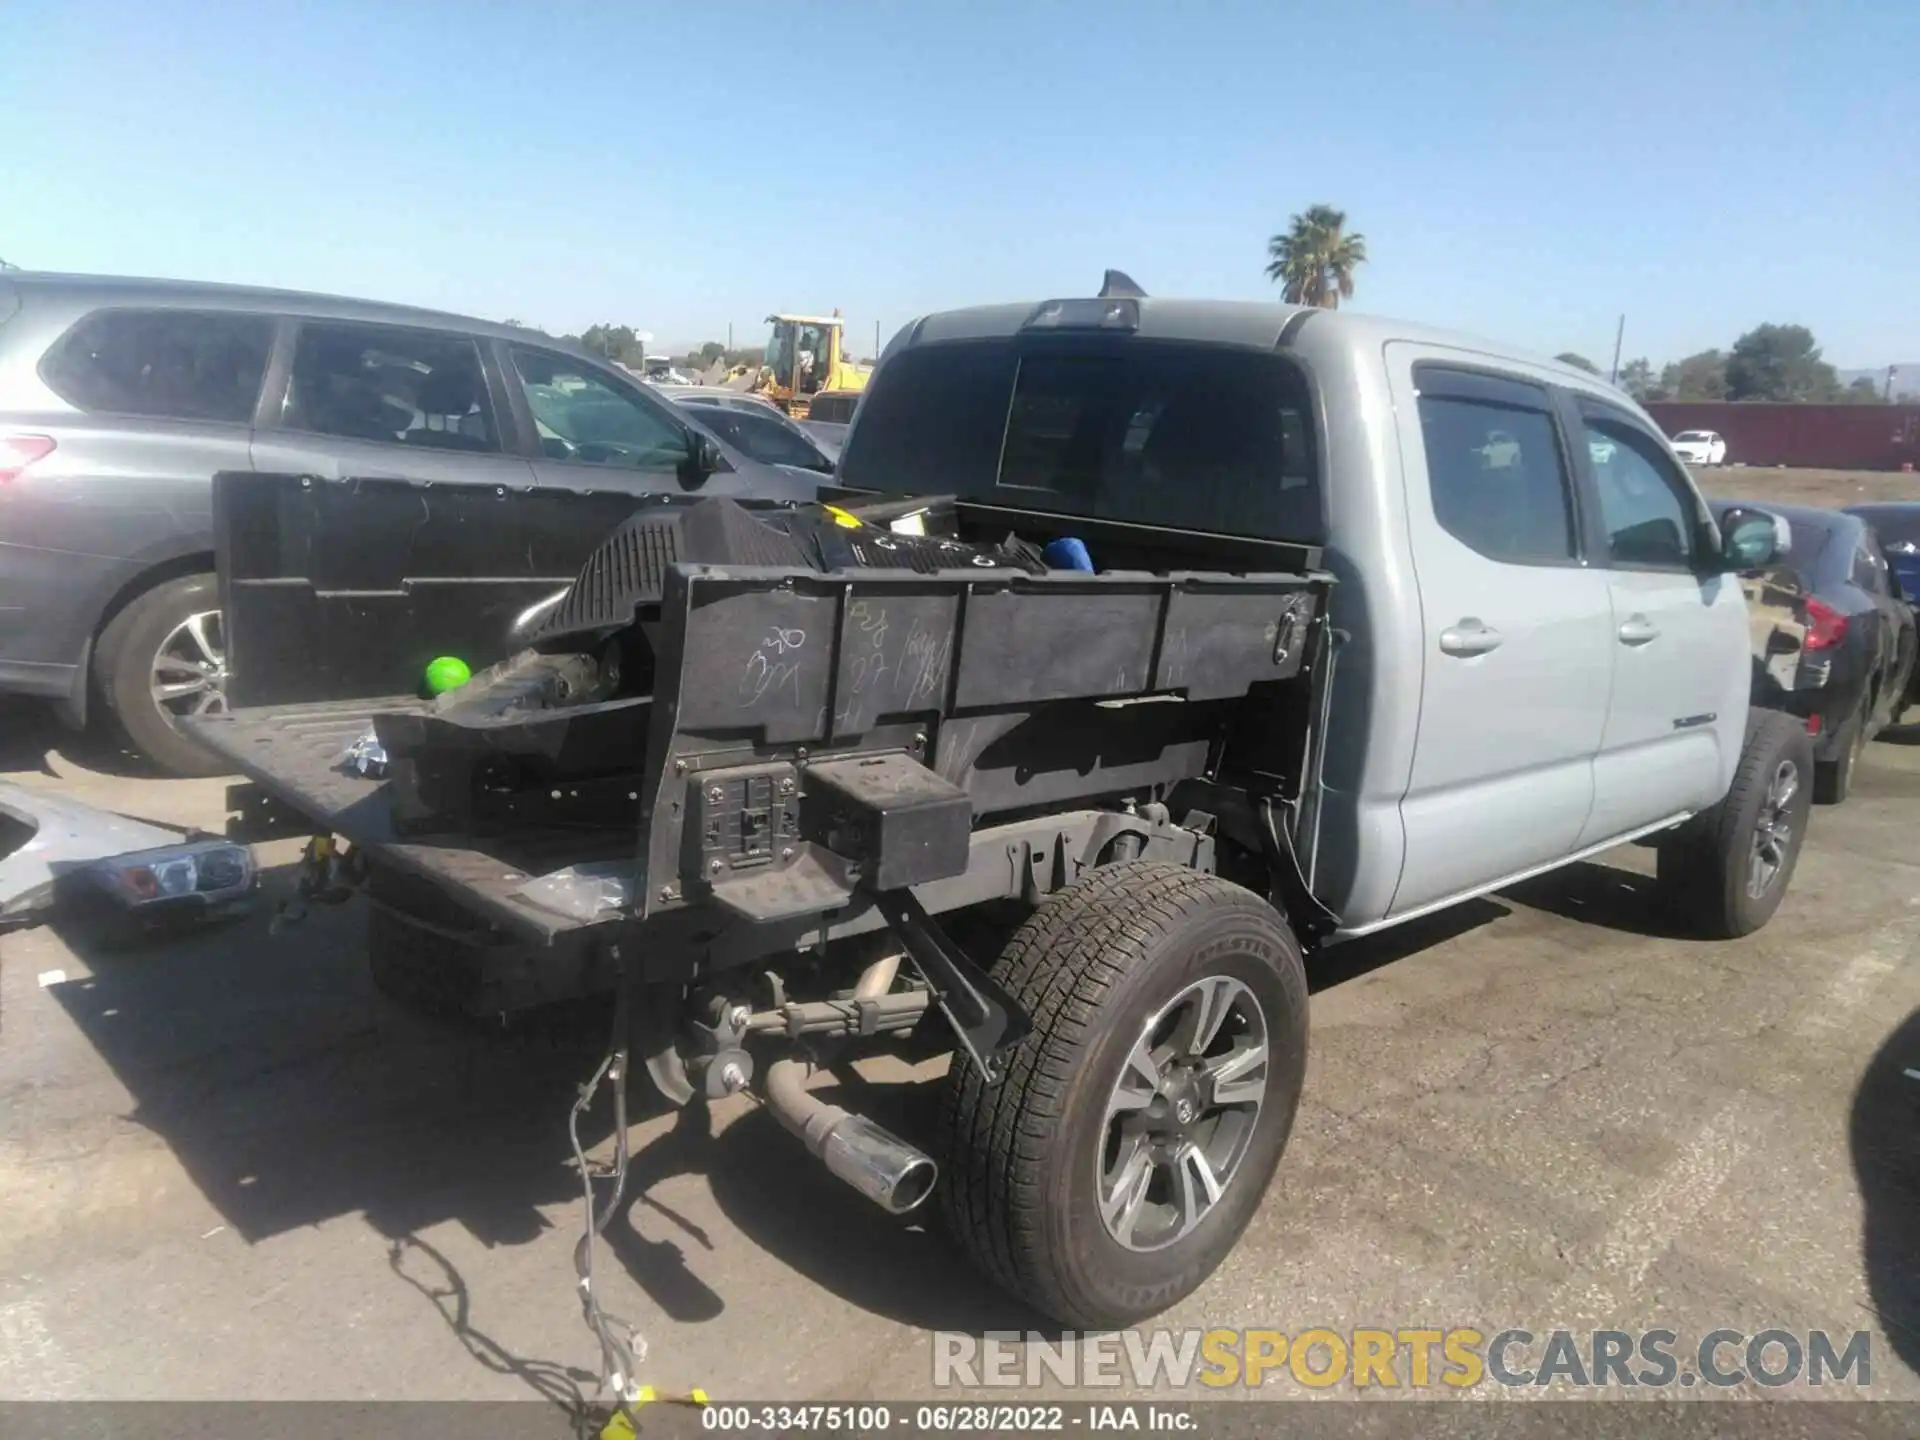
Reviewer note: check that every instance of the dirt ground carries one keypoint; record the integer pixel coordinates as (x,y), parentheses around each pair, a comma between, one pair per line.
(1807,487)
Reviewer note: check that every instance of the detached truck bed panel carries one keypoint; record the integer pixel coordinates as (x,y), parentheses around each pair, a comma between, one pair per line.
(808,741)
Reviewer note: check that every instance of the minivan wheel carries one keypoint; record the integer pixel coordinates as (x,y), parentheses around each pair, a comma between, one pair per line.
(1833,779)
(1135,1132)
(161,658)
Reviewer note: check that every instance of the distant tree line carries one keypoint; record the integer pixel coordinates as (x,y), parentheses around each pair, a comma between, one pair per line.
(1780,363)
(623,346)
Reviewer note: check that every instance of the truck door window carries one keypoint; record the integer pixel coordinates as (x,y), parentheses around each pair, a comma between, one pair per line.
(400,387)
(1648,512)
(583,417)
(1497,476)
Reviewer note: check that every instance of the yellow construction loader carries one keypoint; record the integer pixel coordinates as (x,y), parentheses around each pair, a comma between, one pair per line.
(805,365)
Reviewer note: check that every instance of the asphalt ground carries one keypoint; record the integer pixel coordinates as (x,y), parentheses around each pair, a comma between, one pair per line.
(230,1170)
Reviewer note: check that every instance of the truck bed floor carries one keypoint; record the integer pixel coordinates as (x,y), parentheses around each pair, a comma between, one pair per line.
(306,744)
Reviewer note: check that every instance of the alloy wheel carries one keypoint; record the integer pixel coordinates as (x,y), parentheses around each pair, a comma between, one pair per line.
(189,675)
(1773,831)
(1182,1114)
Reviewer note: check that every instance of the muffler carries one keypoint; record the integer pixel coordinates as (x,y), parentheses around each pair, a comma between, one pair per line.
(874,1161)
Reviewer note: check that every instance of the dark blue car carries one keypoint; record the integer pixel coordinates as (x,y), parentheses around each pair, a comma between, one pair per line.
(1854,671)
(1897,524)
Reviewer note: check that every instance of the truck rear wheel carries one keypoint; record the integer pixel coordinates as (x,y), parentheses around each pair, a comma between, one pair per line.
(1137,1128)
(1728,868)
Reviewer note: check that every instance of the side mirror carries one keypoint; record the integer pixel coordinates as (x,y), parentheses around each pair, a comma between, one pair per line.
(1749,538)
(704,456)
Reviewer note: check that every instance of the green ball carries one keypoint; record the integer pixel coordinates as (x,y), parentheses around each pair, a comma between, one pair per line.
(446,672)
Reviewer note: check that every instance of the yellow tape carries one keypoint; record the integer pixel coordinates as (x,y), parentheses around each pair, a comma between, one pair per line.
(841,518)
(619,1427)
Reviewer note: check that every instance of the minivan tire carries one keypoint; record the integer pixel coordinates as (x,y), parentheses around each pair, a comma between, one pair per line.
(1102,968)
(1833,779)
(1705,869)
(123,669)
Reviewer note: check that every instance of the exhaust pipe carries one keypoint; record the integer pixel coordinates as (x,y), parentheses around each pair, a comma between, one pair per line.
(880,1165)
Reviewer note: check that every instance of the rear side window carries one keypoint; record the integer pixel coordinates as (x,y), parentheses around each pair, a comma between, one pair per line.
(1869,571)
(400,387)
(175,364)
(1495,469)
(1198,437)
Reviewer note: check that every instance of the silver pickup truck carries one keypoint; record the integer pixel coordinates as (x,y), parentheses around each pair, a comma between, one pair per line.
(1146,647)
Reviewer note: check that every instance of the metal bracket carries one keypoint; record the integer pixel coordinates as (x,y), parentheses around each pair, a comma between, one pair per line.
(986,1019)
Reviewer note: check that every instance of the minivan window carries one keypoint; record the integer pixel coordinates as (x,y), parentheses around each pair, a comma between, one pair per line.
(1153,432)
(582,416)
(175,364)
(382,383)
(767,438)
(1496,476)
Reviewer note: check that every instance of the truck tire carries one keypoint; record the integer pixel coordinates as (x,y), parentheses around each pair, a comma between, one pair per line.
(1105,1177)
(170,635)
(1728,867)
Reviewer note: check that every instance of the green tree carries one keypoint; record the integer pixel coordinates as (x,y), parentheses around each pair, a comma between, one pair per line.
(1698,377)
(1577,361)
(1863,391)
(1314,260)
(1779,362)
(1637,379)
(617,343)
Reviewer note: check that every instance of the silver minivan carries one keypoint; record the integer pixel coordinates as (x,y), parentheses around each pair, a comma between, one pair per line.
(120,400)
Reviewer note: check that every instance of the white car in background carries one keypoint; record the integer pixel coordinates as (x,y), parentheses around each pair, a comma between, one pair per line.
(1700,447)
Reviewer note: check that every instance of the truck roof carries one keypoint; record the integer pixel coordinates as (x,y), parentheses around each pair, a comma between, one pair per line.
(1248,324)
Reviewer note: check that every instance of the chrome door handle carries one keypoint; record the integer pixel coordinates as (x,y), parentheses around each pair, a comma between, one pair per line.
(1638,630)
(1469,637)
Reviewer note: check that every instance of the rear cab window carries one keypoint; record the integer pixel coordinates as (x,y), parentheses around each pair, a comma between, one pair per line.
(170,364)
(1153,432)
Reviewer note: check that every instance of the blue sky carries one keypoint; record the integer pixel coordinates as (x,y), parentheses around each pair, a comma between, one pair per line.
(1527,170)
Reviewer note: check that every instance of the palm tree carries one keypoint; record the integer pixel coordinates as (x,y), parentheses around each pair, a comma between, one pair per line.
(1314,260)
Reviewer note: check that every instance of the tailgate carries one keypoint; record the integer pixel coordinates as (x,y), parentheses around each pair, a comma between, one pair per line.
(537,881)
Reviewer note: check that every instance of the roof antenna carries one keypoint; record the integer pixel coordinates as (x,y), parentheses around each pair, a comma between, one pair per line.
(1118,285)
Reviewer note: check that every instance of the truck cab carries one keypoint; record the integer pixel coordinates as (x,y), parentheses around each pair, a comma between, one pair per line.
(1543,650)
